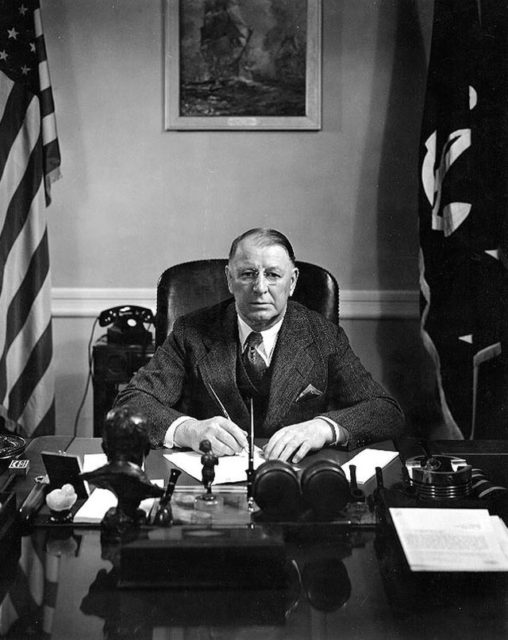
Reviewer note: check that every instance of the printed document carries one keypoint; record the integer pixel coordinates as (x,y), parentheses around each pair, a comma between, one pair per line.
(452,539)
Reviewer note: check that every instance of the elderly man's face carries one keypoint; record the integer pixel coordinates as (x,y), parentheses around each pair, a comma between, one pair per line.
(261,279)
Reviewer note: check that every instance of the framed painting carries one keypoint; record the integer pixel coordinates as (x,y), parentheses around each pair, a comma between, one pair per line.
(242,64)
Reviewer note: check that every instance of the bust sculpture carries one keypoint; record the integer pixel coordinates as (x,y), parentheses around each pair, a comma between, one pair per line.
(126,445)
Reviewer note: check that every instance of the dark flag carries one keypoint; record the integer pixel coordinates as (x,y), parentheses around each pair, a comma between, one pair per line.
(29,161)
(464,214)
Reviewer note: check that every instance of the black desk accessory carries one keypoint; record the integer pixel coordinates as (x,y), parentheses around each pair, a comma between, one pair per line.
(317,490)
(63,468)
(126,444)
(11,447)
(127,324)
(164,516)
(207,500)
(34,501)
(250,469)
(357,494)
(19,467)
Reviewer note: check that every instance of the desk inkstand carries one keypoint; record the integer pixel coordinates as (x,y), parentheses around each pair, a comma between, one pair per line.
(126,444)
(208,500)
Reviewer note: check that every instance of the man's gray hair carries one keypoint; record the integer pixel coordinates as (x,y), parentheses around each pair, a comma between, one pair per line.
(265,238)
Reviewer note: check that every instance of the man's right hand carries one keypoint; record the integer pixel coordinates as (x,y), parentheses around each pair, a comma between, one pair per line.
(225,436)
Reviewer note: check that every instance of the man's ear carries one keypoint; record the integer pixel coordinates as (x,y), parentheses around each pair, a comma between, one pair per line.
(294,279)
(228,278)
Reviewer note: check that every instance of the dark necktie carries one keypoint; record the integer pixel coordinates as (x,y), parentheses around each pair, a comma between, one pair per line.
(254,363)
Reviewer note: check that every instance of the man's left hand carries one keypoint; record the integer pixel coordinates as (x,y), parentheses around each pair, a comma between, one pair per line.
(294,442)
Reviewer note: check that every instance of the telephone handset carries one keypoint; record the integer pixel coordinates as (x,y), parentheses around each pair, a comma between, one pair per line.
(127,324)
(109,316)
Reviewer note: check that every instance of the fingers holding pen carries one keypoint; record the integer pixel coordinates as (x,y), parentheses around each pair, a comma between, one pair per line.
(225,437)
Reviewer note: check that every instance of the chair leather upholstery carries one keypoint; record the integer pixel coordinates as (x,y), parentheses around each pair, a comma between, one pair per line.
(192,285)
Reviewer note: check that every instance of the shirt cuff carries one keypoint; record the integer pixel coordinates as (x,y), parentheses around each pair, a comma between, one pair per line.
(169,438)
(340,435)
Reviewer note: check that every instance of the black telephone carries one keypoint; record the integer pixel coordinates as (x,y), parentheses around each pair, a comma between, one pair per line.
(127,324)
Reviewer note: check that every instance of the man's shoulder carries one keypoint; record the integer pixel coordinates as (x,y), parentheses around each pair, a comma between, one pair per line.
(207,316)
(298,311)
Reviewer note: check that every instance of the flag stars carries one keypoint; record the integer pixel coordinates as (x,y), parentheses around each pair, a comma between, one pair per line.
(32,47)
(3,55)
(12,33)
(23,10)
(25,70)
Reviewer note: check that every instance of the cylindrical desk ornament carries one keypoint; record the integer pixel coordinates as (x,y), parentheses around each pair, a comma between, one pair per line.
(276,489)
(325,488)
(440,477)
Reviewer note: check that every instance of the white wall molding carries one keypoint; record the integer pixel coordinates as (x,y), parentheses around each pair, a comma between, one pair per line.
(357,305)
(376,304)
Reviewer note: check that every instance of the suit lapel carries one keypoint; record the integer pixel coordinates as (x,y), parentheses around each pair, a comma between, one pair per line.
(290,367)
(218,366)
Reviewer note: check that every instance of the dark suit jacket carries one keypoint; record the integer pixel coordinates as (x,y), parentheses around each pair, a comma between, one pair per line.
(314,372)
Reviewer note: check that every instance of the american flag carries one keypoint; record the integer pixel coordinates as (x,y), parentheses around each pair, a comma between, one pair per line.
(29,162)
(463,215)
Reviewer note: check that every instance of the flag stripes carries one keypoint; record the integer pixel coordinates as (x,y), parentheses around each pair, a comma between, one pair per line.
(29,162)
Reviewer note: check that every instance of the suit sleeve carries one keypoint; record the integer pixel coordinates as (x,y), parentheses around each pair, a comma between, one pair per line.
(157,388)
(359,403)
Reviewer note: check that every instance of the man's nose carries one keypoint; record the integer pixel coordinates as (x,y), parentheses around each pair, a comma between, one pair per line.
(260,284)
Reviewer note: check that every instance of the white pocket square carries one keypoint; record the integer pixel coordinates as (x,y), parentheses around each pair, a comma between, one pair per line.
(309,391)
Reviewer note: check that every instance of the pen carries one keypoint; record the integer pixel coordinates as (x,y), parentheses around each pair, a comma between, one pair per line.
(218,400)
(250,469)
(222,407)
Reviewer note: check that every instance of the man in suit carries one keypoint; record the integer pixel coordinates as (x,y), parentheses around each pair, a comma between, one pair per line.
(295,368)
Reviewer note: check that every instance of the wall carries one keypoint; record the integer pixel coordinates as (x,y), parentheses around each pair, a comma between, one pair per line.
(135,198)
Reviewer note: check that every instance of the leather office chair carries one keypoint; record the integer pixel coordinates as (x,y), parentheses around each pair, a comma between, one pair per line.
(192,285)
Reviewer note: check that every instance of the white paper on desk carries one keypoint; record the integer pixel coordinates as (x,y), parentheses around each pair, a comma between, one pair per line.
(229,469)
(95,507)
(366,462)
(93,461)
(450,539)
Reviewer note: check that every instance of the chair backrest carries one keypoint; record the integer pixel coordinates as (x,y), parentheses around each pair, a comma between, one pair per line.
(192,285)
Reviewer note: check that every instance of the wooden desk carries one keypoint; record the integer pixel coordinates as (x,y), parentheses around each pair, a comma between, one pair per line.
(350,585)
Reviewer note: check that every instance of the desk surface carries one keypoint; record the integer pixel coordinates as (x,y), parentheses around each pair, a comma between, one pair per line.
(352,584)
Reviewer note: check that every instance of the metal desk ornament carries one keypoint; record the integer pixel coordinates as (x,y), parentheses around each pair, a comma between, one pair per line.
(126,444)
(439,477)
(209,460)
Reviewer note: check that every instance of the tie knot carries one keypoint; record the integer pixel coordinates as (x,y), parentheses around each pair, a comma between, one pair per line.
(254,339)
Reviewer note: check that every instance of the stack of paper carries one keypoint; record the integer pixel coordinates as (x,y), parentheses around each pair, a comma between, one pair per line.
(452,539)
(96,506)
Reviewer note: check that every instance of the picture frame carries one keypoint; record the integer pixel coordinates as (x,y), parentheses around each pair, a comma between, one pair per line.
(242,65)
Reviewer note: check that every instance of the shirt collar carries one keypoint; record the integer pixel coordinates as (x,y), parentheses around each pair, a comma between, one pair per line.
(269,335)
